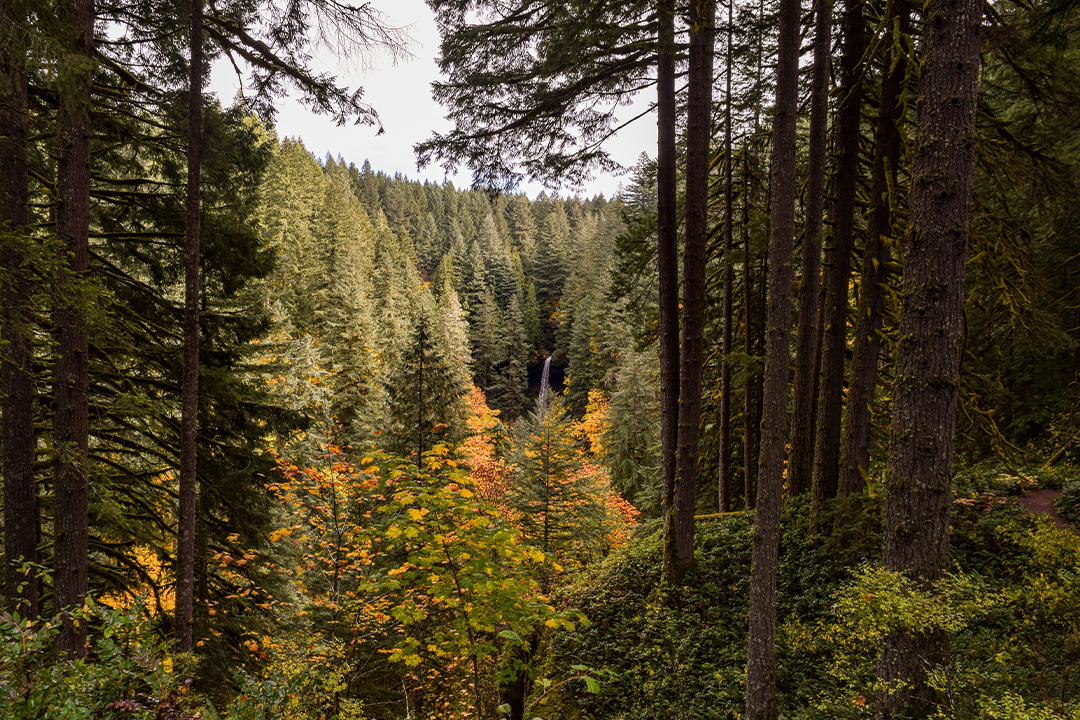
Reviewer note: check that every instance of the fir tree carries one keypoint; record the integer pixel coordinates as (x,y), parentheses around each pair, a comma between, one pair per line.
(632,438)
(426,401)
(513,380)
(555,494)
(488,343)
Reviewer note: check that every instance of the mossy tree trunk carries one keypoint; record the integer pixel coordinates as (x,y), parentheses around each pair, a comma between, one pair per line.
(919,482)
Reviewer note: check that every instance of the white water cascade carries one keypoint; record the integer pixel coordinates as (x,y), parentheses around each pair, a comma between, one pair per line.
(541,402)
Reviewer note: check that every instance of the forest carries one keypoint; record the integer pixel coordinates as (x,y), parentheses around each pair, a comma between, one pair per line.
(786,428)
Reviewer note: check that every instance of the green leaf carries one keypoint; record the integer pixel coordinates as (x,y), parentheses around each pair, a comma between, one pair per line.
(511,635)
(504,708)
(591,685)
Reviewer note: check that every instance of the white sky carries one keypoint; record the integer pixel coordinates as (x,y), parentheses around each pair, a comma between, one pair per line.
(401,94)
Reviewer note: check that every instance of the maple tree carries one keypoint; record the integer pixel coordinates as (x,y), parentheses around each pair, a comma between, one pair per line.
(411,564)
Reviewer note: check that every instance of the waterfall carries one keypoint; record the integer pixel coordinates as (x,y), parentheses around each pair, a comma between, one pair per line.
(541,402)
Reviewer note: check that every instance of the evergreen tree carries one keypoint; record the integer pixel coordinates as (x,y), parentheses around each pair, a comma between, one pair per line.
(72,552)
(522,230)
(293,191)
(555,495)
(919,488)
(425,399)
(513,380)
(475,279)
(531,315)
(761,643)
(430,245)
(488,341)
(504,281)
(18,441)
(454,336)
(632,439)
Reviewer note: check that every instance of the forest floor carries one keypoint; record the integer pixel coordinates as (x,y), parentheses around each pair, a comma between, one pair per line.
(1041,502)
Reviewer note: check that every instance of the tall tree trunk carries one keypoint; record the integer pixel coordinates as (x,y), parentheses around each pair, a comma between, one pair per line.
(667,259)
(185,550)
(801,465)
(749,426)
(71,424)
(838,258)
(855,442)
(698,134)
(761,647)
(919,482)
(21,520)
(729,491)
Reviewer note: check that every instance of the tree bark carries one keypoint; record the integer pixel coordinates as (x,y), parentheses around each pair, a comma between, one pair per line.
(919,482)
(71,424)
(838,259)
(800,467)
(728,488)
(667,258)
(749,426)
(855,442)
(698,134)
(21,519)
(761,647)
(185,550)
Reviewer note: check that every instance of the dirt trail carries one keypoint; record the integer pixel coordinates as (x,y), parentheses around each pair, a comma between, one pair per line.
(1041,502)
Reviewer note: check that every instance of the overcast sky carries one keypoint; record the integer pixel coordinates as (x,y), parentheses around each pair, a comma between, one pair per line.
(401,94)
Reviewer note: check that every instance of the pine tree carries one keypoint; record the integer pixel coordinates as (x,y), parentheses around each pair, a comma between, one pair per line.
(504,281)
(522,230)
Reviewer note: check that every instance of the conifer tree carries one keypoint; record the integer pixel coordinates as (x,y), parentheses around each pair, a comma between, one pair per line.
(522,230)
(73,228)
(556,497)
(838,258)
(919,481)
(807,351)
(513,378)
(21,515)
(293,191)
(503,279)
(692,350)
(425,400)
(761,644)
(855,442)
(475,279)
(632,439)
(488,341)
(188,476)
(531,315)
(430,244)
(454,335)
